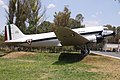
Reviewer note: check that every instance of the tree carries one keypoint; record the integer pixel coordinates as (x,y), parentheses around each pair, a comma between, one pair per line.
(62,18)
(21,14)
(1,37)
(115,38)
(45,27)
(72,23)
(25,13)
(110,27)
(75,24)
(111,38)
(34,18)
(12,10)
(17,13)
(79,18)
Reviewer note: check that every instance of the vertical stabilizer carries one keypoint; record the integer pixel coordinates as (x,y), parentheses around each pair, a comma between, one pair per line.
(12,32)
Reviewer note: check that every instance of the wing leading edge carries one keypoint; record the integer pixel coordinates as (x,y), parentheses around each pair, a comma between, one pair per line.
(68,37)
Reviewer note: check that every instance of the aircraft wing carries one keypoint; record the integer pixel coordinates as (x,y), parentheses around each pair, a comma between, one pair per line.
(68,37)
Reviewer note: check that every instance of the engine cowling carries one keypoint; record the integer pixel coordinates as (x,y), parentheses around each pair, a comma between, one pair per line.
(99,38)
(95,38)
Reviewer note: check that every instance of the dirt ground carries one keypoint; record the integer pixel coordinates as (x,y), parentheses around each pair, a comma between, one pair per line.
(18,54)
(105,65)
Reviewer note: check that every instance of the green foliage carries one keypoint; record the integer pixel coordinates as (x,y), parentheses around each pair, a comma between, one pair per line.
(21,14)
(12,10)
(62,18)
(115,38)
(25,13)
(45,27)
(79,18)
(44,66)
(110,27)
(1,38)
(74,23)
(34,18)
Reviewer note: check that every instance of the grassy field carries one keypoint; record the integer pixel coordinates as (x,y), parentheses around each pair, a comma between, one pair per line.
(48,66)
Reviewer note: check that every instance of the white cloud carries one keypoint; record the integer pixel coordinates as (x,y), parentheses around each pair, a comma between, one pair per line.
(119,13)
(91,23)
(3,5)
(51,6)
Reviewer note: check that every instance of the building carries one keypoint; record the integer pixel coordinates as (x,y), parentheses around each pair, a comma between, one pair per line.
(112,47)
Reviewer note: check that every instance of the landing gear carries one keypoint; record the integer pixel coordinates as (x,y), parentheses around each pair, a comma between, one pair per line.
(84,49)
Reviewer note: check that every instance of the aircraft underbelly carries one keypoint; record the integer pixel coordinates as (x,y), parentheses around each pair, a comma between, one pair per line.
(54,42)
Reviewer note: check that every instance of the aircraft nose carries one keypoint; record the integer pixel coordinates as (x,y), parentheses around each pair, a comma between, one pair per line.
(110,33)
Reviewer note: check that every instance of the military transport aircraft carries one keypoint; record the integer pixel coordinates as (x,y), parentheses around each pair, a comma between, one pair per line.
(62,36)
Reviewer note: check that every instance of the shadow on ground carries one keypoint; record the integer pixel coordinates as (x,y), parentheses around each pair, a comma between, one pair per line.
(67,58)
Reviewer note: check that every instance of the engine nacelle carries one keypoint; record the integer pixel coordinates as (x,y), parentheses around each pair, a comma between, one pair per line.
(94,38)
(99,38)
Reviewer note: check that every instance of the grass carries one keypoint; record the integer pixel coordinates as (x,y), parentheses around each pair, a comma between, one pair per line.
(46,66)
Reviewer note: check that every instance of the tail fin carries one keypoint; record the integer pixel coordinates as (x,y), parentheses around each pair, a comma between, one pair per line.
(12,32)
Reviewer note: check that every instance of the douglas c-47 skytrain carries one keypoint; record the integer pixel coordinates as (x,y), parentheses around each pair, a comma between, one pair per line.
(62,36)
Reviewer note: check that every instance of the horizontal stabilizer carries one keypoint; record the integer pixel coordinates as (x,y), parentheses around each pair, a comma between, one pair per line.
(68,37)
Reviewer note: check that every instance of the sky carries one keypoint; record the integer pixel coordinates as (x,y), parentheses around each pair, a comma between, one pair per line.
(95,12)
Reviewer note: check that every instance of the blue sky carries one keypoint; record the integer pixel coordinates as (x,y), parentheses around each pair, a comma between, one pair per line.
(95,12)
